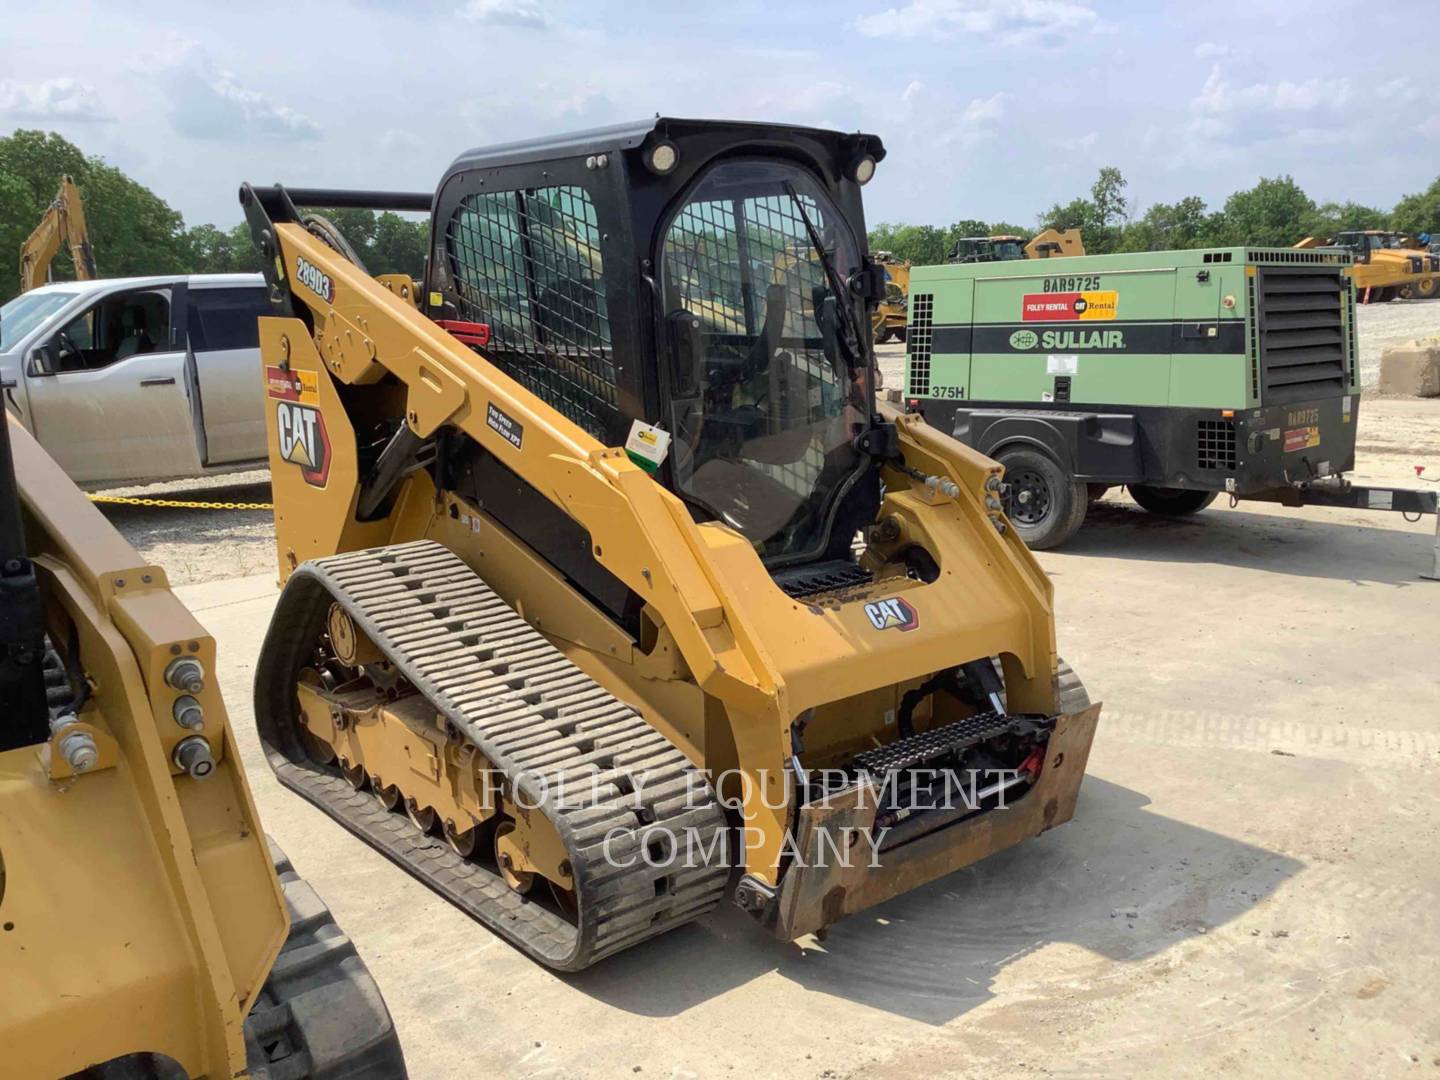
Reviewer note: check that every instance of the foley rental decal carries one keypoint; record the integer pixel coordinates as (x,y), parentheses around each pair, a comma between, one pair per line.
(1069,306)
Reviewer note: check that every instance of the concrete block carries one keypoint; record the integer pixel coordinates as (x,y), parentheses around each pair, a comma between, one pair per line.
(1412,369)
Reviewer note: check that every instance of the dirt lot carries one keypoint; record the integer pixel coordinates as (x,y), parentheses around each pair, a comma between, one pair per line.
(1250,885)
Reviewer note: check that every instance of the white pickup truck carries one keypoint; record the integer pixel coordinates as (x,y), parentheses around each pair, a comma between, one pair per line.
(133,379)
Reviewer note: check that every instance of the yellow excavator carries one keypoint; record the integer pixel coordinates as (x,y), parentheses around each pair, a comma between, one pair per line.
(597,612)
(147,928)
(62,223)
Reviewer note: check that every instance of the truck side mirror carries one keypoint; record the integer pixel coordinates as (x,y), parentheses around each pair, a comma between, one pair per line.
(40,361)
(687,353)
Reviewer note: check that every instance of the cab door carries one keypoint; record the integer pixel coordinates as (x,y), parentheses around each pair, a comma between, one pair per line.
(109,397)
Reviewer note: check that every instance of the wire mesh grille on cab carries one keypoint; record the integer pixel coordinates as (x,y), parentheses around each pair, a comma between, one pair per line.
(528,263)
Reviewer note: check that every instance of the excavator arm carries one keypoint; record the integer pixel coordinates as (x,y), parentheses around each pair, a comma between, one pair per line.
(62,223)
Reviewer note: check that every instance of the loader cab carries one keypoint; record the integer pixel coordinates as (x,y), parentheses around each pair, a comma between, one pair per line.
(703,279)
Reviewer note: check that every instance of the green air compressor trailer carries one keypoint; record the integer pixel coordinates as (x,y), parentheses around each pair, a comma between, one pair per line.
(1181,374)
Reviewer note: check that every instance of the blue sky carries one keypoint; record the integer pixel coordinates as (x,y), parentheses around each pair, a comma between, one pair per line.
(991,109)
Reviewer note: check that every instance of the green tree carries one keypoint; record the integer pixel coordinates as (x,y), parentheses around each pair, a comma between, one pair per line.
(132,230)
(1419,213)
(1274,213)
(1332,217)
(1076,214)
(1107,196)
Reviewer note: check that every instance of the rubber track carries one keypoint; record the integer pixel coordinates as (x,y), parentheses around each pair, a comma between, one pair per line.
(606,772)
(319,1015)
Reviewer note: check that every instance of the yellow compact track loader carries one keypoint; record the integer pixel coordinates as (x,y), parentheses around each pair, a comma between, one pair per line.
(144,931)
(605,574)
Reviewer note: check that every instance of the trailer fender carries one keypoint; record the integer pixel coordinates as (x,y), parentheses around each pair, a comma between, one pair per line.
(1097,447)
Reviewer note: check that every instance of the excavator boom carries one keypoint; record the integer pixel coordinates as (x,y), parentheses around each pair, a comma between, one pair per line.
(62,223)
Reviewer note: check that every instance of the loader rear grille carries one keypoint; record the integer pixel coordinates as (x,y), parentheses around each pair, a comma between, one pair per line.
(1303,345)
(1215,444)
(917,340)
(528,264)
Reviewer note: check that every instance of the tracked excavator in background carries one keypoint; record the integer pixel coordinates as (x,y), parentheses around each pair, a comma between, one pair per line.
(604,573)
(62,223)
(147,929)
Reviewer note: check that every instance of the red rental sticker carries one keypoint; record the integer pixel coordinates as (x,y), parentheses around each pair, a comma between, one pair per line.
(1050,307)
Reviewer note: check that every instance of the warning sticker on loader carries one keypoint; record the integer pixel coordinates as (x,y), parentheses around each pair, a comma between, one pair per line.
(510,429)
(1069,306)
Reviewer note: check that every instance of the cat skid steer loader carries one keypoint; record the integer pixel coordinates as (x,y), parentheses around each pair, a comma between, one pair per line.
(144,931)
(605,573)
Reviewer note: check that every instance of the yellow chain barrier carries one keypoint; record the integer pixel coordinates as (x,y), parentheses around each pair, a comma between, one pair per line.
(124,500)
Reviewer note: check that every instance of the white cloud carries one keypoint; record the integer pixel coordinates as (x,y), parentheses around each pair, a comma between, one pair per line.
(1210,50)
(1400,91)
(524,13)
(1012,22)
(54,99)
(1219,98)
(1081,143)
(209,102)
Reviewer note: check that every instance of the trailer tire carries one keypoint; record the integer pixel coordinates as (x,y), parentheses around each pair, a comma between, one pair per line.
(1171,502)
(1046,504)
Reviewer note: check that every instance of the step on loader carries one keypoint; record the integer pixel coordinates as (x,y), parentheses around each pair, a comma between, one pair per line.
(609,590)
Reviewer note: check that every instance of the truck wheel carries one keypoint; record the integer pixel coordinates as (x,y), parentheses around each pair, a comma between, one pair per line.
(1046,504)
(882,334)
(1425,289)
(900,336)
(1171,502)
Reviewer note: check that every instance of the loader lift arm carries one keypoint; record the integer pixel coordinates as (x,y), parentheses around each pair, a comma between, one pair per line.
(62,223)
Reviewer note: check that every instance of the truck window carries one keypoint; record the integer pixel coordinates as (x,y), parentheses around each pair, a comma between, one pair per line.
(24,313)
(118,327)
(226,318)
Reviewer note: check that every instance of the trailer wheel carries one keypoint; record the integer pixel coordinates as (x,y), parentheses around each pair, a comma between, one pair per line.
(1171,502)
(1045,503)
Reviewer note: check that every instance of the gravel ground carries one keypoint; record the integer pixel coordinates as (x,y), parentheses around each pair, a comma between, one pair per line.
(200,545)
(1381,326)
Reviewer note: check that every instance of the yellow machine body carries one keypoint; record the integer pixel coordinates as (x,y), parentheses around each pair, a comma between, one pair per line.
(139,911)
(725,665)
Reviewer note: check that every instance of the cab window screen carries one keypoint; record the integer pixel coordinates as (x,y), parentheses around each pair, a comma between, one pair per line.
(528,263)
